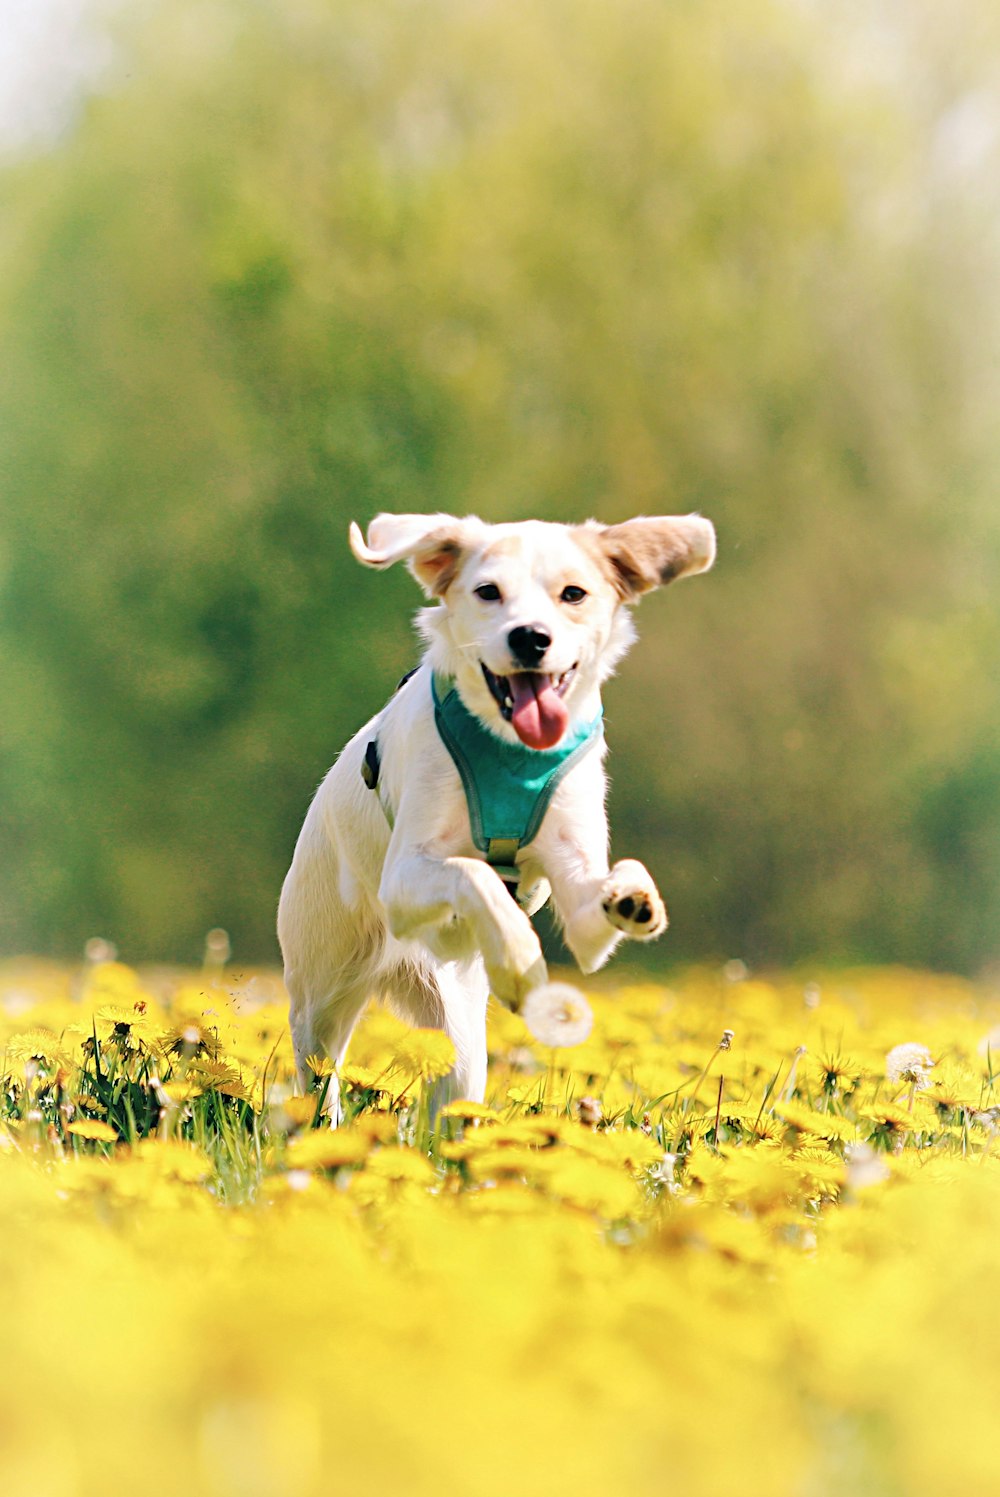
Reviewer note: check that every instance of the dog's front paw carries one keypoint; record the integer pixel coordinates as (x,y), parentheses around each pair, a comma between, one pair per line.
(631,902)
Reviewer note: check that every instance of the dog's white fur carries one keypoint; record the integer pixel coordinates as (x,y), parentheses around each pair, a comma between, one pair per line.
(413,913)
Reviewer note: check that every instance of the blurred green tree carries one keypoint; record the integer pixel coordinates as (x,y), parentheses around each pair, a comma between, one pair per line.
(300,262)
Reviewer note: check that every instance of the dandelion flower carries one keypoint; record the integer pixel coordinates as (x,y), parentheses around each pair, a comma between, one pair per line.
(558,1015)
(299,1111)
(428,1053)
(909,1063)
(469,1112)
(180,1092)
(327,1149)
(95,1129)
(362,1078)
(34,1044)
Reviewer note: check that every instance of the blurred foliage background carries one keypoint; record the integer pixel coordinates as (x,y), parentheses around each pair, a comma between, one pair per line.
(295,261)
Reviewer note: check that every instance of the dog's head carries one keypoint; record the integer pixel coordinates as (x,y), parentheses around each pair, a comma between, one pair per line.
(533,616)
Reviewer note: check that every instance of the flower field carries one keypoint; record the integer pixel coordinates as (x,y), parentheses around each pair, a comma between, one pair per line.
(743,1238)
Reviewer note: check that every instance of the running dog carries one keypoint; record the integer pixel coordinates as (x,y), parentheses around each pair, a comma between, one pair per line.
(478,791)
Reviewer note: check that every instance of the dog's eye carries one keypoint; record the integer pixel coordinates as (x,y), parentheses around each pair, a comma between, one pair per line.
(572,594)
(488,591)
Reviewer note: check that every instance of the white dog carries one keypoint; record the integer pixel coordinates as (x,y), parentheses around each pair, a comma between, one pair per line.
(481,779)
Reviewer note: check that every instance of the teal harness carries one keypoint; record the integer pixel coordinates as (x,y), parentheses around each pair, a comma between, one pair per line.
(507,786)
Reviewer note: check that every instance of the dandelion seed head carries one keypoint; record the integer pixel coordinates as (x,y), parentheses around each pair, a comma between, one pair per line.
(97,950)
(558,1015)
(664,1171)
(910,1063)
(218,948)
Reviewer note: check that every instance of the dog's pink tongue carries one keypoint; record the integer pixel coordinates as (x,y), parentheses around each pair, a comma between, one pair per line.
(539,716)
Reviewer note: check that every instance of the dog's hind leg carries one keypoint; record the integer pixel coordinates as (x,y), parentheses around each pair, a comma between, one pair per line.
(451,997)
(324,1029)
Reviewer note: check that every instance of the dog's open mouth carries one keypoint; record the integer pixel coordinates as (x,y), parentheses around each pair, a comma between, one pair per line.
(532,702)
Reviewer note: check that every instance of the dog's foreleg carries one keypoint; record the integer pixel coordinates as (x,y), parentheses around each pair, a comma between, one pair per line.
(457,907)
(599,906)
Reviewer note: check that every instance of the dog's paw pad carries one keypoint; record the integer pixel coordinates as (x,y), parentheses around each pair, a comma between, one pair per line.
(634,906)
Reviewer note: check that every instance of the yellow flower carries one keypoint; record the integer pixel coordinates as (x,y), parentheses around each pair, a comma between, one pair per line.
(821,1124)
(887,1120)
(175,1160)
(327,1148)
(514,1161)
(593,1187)
(94,1129)
(427,1053)
(403,1166)
(469,1112)
(627,1149)
(34,1044)
(299,1110)
(534,1129)
(376,1127)
(363,1078)
(217,1076)
(182,1091)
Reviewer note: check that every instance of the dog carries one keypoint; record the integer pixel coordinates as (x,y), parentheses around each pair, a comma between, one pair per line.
(478,791)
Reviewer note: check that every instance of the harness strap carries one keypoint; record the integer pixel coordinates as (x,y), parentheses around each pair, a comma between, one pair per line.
(371,769)
(501,852)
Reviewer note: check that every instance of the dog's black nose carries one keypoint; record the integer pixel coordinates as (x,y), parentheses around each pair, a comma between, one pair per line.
(528,643)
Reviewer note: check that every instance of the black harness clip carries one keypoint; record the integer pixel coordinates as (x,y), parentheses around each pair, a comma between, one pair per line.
(371,768)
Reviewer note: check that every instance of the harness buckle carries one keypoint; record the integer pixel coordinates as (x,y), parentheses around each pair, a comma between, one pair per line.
(500,854)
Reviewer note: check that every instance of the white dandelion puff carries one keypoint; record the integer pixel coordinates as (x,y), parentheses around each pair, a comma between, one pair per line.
(558,1015)
(909,1063)
(664,1174)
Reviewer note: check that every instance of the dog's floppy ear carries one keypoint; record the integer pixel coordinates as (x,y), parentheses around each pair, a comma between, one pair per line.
(431,545)
(650,551)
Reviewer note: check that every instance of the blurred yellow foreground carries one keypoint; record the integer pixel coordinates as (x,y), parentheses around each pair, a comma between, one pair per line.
(671,1259)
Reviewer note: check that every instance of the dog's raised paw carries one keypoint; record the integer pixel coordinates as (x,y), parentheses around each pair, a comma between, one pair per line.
(632,903)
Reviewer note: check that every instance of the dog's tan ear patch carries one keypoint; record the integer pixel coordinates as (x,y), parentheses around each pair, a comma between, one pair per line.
(431,545)
(650,551)
(437,561)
